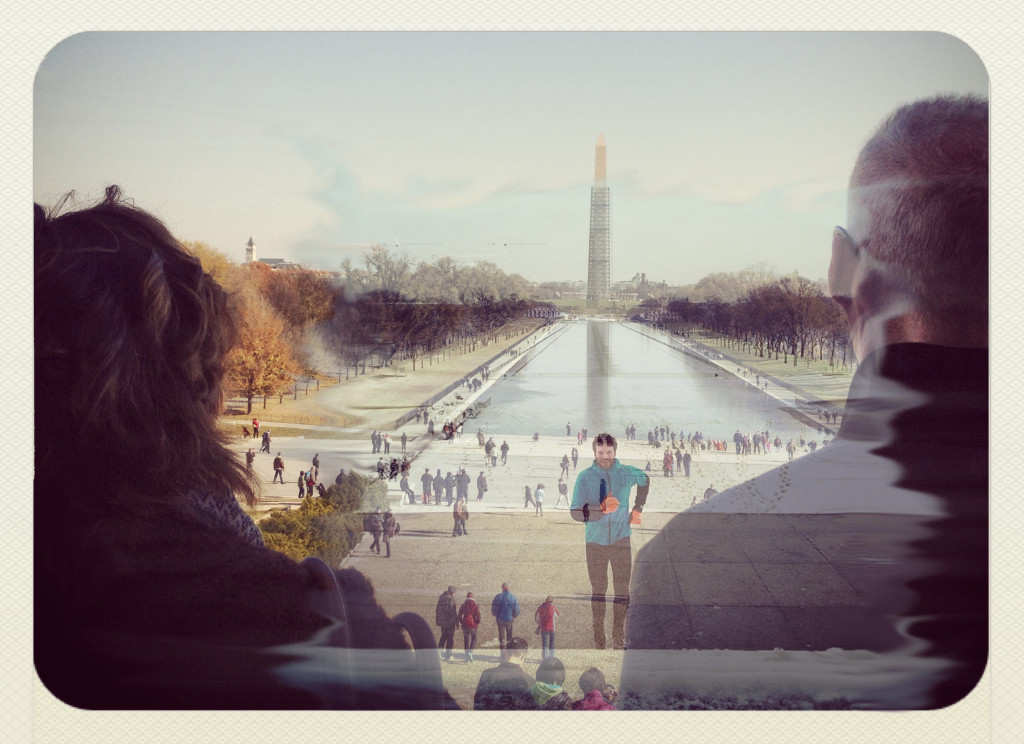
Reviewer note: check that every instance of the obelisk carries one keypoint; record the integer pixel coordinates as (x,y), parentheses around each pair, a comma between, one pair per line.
(599,264)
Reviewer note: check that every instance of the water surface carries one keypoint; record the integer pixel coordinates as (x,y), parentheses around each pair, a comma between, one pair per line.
(605,376)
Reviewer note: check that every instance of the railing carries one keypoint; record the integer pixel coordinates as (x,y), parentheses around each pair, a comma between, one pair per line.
(411,414)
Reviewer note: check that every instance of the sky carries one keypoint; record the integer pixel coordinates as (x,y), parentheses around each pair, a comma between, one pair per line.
(724,150)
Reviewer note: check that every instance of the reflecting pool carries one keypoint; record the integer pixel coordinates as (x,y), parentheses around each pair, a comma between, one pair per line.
(606,376)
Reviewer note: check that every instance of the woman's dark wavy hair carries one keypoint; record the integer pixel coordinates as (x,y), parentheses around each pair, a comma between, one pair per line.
(130,339)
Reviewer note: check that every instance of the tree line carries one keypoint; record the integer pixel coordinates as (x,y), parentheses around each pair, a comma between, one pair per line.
(389,310)
(787,316)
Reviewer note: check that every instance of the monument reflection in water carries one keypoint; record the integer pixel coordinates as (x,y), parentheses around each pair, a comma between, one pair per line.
(599,370)
(605,376)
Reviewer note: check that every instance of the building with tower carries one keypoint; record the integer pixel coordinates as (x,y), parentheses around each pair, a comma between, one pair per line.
(600,258)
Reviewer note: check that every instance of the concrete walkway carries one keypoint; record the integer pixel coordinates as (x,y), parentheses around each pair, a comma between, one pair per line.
(537,555)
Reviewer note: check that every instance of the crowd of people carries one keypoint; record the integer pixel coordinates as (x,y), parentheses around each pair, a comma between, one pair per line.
(149,573)
(508,686)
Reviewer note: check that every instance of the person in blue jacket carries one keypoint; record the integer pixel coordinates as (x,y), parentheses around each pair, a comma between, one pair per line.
(505,608)
(601,501)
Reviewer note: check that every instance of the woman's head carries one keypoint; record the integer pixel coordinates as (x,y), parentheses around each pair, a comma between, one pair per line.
(130,340)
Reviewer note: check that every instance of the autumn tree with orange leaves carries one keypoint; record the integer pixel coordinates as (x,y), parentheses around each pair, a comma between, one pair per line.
(261,364)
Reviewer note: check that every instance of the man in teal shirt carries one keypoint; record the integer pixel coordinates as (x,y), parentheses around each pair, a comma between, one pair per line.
(601,500)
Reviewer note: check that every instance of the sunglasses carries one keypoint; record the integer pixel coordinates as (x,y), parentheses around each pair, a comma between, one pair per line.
(840,234)
(845,255)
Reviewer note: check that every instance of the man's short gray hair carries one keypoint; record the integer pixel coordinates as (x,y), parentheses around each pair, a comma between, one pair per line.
(922,181)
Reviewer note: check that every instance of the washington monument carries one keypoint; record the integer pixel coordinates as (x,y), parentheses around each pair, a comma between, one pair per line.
(599,264)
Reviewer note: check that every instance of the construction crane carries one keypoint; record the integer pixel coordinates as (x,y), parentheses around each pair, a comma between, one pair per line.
(402,245)
(505,245)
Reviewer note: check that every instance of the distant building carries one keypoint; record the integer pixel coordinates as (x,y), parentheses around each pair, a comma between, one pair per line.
(568,290)
(279,264)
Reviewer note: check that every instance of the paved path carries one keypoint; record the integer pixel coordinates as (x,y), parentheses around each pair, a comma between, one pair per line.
(537,555)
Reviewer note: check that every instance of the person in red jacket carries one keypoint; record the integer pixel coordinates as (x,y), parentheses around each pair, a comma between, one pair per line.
(469,618)
(545,616)
(597,693)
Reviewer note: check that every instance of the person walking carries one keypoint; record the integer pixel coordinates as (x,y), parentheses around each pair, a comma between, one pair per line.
(405,439)
(686,463)
(265,443)
(376,530)
(390,529)
(447,617)
(504,609)
(563,493)
(504,453)
(528,498)
(538,496)
(546,616)
(459,527)
(575,457)
(469,619)
(278,469)
(481,486)
(565,467)
(255,427)
(316,465)
(249,457)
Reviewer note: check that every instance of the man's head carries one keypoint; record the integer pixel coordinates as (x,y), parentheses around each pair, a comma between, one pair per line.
(912,264)
(516,649)
(504,587)
(605,448)
(551,671)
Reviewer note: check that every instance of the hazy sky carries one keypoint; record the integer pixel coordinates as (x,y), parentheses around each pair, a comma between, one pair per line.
(724,149)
